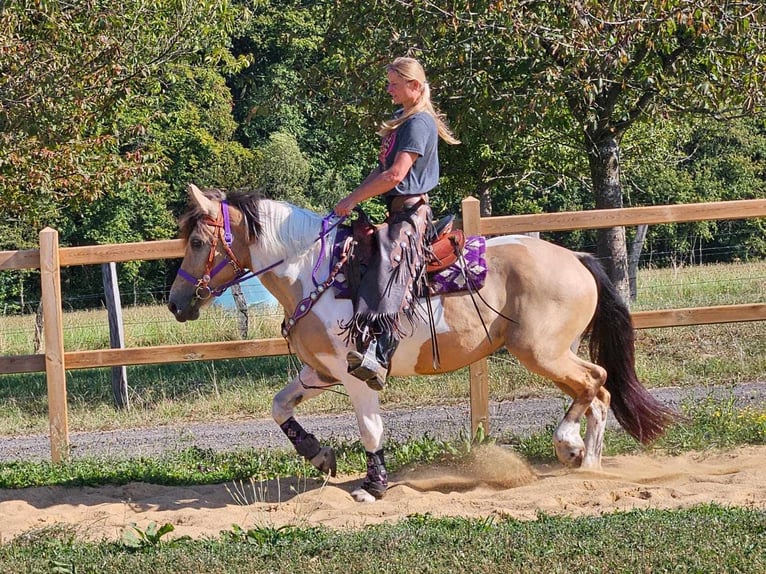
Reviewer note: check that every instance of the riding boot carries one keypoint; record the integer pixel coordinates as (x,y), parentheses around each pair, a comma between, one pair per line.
(364,364)
(385,348)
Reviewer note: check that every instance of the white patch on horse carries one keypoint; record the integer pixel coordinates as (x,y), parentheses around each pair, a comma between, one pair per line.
(507,240)
(406,356)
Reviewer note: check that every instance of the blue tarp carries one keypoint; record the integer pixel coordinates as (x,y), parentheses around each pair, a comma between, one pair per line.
(253,290)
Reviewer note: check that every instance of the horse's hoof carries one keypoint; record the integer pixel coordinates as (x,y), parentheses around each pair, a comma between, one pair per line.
(325,461)
(571,457)
(369,492)
(361,495)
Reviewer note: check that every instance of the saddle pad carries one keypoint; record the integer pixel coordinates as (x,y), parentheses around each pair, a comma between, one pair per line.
(449,280)
(453,279)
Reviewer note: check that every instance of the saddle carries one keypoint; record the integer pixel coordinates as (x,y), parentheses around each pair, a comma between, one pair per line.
(443,245)
(445,248)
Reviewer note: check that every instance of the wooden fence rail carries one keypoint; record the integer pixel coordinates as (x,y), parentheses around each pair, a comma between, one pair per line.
(55,360)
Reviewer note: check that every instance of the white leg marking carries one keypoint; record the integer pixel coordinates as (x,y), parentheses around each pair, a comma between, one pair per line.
(594,434)
(361,495)
(569,444)
(367,408)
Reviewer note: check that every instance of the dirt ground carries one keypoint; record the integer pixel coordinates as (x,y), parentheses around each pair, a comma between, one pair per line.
(493,483)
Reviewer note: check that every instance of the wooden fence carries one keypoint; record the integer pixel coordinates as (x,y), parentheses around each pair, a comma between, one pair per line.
(55,360)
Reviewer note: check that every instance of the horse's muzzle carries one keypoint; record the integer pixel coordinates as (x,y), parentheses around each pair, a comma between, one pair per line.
(183,315)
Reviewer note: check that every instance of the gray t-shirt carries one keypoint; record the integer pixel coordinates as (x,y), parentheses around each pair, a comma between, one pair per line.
(418,135)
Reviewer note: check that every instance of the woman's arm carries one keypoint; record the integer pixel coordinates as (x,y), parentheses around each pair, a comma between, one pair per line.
(378,182)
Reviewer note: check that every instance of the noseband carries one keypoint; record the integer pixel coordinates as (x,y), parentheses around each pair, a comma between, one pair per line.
(223,232)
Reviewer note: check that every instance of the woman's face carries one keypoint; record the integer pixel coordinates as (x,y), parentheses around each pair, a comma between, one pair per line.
(403,92)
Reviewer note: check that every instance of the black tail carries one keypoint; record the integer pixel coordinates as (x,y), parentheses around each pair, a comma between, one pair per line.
(612,345)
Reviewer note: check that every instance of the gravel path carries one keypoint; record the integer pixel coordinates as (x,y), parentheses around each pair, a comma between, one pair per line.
(519,417)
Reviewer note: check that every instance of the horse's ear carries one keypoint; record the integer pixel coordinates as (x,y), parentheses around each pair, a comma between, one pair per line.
(207,205)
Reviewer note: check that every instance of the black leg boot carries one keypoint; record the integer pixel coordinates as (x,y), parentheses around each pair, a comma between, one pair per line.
(307,445)
(376,481)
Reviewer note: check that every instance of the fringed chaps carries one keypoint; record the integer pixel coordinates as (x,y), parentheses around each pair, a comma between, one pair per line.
(397,273)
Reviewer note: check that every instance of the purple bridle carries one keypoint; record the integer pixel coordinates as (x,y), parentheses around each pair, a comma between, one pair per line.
(223,224)
(203,290)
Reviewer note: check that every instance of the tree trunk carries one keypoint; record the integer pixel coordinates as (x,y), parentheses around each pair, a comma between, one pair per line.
(604,160)
(485,199)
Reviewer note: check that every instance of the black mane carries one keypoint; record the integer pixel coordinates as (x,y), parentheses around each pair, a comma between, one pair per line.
(246,201)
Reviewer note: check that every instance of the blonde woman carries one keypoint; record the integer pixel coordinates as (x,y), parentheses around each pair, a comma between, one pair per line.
(407,170)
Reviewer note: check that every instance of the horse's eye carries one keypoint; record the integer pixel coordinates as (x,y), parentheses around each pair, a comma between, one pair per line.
(196,243)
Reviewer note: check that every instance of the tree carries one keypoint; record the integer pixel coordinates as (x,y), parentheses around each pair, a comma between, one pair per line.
(585,70)
(277,96)
(67,72)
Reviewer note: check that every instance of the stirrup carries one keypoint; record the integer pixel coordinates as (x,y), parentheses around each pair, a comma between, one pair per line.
(366,368)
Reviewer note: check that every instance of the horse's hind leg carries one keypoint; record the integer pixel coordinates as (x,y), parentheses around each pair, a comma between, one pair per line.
(305,386)
(594,432)
(583,381)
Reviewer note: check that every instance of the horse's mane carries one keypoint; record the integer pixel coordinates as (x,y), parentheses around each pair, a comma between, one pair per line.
(245,200)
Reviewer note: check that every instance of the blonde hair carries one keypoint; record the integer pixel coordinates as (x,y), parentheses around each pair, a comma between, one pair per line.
(411,69)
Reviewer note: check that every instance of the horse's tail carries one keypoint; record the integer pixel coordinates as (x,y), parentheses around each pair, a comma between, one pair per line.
(612,345)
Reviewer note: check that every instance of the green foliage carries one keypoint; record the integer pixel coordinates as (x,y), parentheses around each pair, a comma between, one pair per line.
(68,72)
(710,161)
(513,76)
(278,96)
(108,110)
(283,172)
(704,538)
(136,538)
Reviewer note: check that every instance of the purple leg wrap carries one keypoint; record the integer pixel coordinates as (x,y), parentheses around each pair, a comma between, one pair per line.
(305,444)
(376,481)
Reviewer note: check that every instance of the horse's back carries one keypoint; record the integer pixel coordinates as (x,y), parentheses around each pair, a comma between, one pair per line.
(539,269)
(536,296)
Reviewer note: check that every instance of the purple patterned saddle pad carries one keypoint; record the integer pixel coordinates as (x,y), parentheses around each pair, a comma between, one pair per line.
(449,280)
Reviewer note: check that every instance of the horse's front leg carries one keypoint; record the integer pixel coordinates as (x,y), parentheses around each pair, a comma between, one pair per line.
(367,409)
(306,385)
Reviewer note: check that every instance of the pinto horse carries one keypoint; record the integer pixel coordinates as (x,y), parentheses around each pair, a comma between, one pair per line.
(538,300)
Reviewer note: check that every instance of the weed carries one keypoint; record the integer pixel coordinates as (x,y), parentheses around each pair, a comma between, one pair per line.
(136,538)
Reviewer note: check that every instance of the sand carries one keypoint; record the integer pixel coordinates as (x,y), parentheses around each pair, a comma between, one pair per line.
(494,482)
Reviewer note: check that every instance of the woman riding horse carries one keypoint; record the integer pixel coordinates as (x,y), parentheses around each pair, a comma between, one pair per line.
(553,295)
(408,168)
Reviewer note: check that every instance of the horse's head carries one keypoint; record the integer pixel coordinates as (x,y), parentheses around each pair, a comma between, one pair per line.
(216,252)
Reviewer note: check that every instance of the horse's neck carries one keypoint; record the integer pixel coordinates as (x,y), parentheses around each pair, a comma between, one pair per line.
(289,234)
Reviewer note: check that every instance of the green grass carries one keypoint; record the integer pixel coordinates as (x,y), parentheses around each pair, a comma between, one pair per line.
(709,424)
(707,538)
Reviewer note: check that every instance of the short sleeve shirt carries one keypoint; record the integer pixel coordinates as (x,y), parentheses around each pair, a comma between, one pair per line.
(418,135)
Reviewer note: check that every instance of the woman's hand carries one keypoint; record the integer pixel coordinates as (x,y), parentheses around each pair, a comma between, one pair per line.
(345,206)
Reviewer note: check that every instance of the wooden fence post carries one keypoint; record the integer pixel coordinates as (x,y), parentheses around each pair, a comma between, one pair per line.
(116,333)
(53,329)
(479,374)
